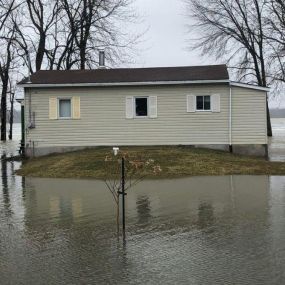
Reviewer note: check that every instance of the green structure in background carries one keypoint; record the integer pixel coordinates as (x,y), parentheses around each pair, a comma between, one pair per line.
(22,145)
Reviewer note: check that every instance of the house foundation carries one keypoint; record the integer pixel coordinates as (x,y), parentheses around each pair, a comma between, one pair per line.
(251,150)
(243,149)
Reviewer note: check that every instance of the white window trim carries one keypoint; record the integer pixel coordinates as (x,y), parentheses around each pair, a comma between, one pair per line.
(204,111)
(58,103)
(134,107)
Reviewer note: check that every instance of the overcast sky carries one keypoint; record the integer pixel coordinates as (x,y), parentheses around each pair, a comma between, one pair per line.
(165,42)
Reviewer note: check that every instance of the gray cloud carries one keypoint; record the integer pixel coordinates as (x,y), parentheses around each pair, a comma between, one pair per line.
(165,41)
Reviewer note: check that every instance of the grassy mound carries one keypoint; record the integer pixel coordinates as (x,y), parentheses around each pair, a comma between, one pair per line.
(174,162)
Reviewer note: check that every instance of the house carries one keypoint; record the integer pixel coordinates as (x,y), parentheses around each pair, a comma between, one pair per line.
(192,106)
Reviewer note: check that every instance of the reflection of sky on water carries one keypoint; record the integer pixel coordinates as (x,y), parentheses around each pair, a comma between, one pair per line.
(208,230)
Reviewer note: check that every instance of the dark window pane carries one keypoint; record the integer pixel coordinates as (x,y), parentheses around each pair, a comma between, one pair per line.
(207,103)
(199,101)
(141,107)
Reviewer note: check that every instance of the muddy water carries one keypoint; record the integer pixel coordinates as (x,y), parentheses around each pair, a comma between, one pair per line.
(10,148)
(277,142)
(210,230)
(201,230)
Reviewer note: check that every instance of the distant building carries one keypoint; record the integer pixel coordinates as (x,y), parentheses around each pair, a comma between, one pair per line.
(197,106)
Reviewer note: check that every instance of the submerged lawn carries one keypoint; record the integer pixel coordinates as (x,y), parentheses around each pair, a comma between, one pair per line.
(174,162)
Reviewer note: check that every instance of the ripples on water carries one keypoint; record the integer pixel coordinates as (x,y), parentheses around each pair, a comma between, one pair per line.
(201,230)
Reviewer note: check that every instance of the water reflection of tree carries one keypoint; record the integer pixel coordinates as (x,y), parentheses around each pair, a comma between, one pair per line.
(9,182)
(5,188)
(205,215)
(23,187)
(143,210)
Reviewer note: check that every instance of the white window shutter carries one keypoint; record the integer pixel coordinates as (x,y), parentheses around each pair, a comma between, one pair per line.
(129,107)
(216,103)
(191,103)
(76,107)
(153,106)
(52,108)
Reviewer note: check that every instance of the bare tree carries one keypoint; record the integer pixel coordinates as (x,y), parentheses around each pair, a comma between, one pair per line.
(275,35)
(67,34)
(42,15)
(11,93)
(7,33)
(90,26)
(6,8)
(35,22)
(234,29)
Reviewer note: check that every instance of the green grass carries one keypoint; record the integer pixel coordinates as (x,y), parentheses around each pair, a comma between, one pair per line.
(174,161)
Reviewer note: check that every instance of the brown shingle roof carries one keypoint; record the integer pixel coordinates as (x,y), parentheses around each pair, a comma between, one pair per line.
(128,75)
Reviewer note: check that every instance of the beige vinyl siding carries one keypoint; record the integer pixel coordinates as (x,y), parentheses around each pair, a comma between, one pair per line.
(248,116)
(103,118)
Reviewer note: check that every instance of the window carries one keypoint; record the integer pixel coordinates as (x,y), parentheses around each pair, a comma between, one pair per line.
(203,103)
(64,108)
(141,106)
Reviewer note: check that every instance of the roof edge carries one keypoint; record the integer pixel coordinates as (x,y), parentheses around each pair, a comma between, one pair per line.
(249,86)
(146,83)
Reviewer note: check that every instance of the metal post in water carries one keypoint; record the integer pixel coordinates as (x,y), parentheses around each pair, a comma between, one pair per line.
(122,190)
(123,195)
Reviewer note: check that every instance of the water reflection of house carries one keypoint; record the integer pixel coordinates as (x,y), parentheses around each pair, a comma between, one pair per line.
(203,227)
(143,210)
(66,199)
(204,209)
(186,201)
(222,204)
(202,200)
(72,222)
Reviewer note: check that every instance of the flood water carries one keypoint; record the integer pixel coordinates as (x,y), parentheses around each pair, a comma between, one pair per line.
(199,230)
(277,142)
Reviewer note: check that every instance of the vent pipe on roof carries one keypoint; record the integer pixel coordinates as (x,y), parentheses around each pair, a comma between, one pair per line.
(102,59)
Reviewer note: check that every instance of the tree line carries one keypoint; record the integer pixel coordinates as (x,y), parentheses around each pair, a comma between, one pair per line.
(57,35)
(248,34)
